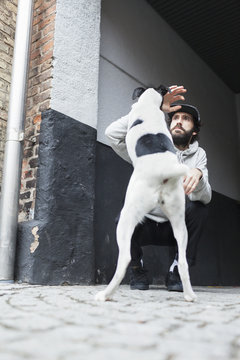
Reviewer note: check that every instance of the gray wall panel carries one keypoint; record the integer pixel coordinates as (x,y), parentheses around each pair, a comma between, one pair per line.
(137,40)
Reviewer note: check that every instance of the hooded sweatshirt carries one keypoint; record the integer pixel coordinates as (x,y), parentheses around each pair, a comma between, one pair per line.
(194,157)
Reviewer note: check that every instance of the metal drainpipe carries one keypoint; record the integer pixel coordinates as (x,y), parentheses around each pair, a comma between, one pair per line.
(14,138)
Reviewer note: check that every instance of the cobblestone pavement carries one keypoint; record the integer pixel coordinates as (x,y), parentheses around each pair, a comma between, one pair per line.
(64,322)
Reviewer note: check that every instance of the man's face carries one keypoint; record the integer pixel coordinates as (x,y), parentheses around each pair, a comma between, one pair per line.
(182,128)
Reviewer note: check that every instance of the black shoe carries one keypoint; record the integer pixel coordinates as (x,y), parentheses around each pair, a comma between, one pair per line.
(173,281)
(138,278)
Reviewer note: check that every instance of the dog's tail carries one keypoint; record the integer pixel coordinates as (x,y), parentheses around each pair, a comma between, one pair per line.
(176,171)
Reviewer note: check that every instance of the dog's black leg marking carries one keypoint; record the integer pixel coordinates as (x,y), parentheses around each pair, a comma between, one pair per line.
(136,122)
(153,143)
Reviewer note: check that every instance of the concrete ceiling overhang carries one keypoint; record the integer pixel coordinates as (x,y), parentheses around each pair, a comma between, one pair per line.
(212,29)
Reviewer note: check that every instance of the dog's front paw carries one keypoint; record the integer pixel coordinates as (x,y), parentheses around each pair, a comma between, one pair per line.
(190,297)
(101,296)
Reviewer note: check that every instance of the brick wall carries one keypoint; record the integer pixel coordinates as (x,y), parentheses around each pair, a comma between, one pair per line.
(8,11)
(38,99)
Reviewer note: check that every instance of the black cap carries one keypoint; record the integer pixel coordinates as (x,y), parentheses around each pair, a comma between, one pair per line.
(189,109)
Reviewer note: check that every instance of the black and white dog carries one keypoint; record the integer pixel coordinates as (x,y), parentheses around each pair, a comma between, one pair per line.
(157,180)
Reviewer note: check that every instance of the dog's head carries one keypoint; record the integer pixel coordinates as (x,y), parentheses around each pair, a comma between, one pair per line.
(162,90)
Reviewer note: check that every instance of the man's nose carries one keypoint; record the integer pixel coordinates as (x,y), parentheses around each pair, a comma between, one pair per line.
(179,122)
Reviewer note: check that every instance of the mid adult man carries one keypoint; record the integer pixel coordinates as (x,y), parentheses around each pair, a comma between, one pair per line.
(184,125)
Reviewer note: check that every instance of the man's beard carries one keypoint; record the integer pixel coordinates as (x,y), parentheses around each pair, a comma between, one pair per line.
(182,139)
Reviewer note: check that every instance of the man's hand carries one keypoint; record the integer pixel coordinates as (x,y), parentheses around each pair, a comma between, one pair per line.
(170,98)
(191,181)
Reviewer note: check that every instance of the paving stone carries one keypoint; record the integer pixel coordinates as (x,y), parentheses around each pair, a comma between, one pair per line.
(65,322)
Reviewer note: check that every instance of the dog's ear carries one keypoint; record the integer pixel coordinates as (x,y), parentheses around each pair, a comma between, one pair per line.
(163,90)
(138,92)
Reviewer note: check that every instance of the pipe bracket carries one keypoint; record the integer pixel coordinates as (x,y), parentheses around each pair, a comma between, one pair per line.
(15,135)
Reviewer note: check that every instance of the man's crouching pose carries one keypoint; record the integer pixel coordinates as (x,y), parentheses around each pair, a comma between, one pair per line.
(184,124)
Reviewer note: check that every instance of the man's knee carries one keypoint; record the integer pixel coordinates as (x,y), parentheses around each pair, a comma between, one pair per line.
(196,210)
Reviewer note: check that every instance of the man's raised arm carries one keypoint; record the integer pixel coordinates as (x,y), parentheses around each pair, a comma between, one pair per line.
(116,133)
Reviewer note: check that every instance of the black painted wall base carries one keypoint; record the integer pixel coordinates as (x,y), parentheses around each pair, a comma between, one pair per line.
(64,213)
(218,256)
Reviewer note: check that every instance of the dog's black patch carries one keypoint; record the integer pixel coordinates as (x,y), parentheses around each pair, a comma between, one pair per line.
(153,143)
(138,92)
(136,122)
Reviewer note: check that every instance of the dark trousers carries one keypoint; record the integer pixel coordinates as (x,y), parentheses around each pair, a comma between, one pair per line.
(153,233)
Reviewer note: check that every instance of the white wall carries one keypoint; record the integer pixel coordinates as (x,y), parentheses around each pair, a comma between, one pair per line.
(139,47)
(76,59)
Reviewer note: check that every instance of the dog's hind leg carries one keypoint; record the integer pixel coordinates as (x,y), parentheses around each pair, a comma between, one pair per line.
(140,199)
(125,228)
(181,235)
(174,208)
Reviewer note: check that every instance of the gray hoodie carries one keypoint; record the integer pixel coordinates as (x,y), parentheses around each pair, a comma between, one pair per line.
(193,157)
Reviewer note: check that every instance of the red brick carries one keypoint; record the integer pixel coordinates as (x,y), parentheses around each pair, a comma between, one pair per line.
(31,184)
(44,106)
(33,110)
(51,9)
(25,195)
(27,206)
(37,119)
(36,37)
(46,65)
(36,53)
(43,5)
(48,28)
(47,56)
(47,47)
(39,98)
(33,91)
(29,132)
(44,40)
(42,77)
(37,18)
(49,20)
(34,72)
(39,93)
(37,4)
(28,174)
(27,152)
(25,164)
(45,85)
(33,163)
(34,29)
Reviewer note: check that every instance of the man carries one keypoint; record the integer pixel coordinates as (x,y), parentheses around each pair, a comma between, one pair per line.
(184,125)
